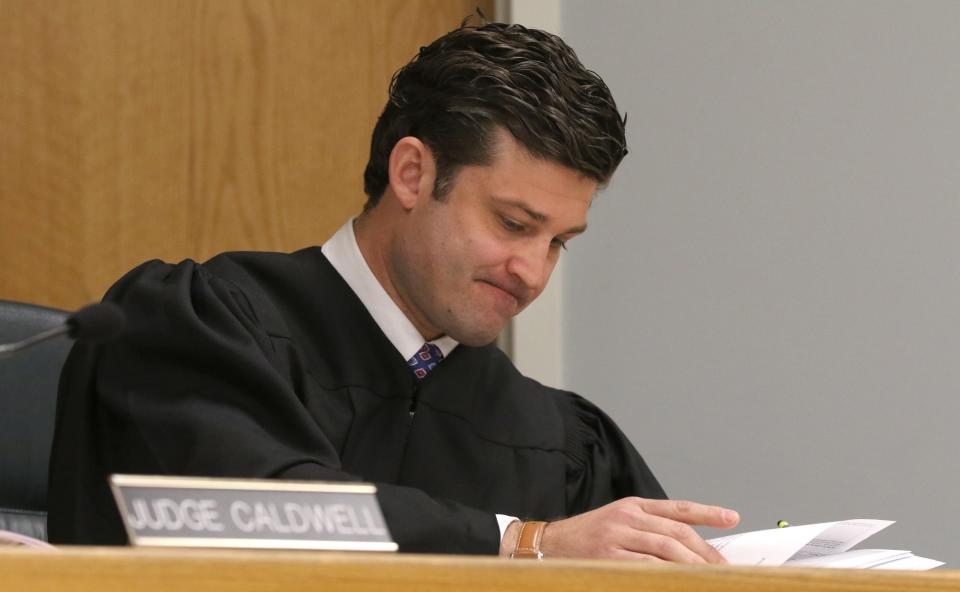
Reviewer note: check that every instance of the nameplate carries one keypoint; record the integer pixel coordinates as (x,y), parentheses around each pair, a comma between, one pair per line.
(250,513)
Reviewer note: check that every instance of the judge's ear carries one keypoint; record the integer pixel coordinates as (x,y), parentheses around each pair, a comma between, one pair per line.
(412,171)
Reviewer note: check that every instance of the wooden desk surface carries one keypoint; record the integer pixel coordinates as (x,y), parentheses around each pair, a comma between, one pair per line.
(96,569)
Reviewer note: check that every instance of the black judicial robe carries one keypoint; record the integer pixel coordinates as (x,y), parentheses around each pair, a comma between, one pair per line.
(267,365)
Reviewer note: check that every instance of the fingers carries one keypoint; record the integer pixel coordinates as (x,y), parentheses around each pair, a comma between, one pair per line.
(695,549)
(630,555)
(691,512)
(661,546)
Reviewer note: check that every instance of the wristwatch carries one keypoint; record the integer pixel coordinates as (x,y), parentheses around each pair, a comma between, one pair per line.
(528,543)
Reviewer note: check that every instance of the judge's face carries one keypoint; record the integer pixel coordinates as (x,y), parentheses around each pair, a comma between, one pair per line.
(465,265)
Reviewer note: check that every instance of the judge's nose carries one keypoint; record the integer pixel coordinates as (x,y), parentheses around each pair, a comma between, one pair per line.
(532,266)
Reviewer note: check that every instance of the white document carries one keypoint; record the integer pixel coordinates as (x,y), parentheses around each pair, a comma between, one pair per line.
(861,558)
(913,563)
(818,545)
(840,536)
(767,547)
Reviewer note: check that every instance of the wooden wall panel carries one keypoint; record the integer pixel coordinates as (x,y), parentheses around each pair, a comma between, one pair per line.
(138,129)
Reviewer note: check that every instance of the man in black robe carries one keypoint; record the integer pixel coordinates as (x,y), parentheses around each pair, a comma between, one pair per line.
(371,358)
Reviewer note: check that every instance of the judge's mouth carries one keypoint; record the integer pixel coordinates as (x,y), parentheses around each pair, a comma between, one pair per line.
(516,294)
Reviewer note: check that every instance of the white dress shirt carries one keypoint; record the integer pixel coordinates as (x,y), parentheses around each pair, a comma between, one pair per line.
(343,252)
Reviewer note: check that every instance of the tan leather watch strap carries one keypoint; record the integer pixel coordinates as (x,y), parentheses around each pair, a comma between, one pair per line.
(528,543)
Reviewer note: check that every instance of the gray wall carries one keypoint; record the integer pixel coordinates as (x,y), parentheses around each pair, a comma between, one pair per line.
(768,299)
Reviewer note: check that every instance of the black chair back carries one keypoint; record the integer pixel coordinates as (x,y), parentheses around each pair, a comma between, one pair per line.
(28,401)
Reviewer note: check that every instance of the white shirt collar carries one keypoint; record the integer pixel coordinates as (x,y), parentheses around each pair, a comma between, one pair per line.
(343,252)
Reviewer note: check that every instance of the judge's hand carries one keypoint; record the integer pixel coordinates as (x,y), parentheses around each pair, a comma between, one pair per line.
(634,528)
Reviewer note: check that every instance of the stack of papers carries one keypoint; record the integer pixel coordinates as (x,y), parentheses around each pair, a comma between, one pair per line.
(826,544)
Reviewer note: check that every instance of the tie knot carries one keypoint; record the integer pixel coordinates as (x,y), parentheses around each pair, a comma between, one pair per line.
(425,360)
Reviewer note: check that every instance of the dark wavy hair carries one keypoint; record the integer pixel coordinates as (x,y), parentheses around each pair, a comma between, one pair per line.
(459,89)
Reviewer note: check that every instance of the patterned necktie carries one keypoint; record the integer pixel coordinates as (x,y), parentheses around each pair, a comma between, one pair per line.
(425,360)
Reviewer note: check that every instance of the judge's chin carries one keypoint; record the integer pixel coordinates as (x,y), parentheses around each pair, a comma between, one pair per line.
(478,335)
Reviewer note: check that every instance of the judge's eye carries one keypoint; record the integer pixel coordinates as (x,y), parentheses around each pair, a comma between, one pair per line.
(559,242)
(511,225)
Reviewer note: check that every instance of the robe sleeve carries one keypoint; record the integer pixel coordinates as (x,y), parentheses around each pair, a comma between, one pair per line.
(602,464)
(201,384)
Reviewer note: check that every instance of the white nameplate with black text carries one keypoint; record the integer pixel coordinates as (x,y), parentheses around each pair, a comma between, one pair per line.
(250,513)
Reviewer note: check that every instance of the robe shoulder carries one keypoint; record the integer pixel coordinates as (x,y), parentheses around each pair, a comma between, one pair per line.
(243,282)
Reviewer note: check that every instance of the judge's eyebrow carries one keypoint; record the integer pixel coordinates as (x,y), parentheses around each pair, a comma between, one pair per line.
(538,216)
